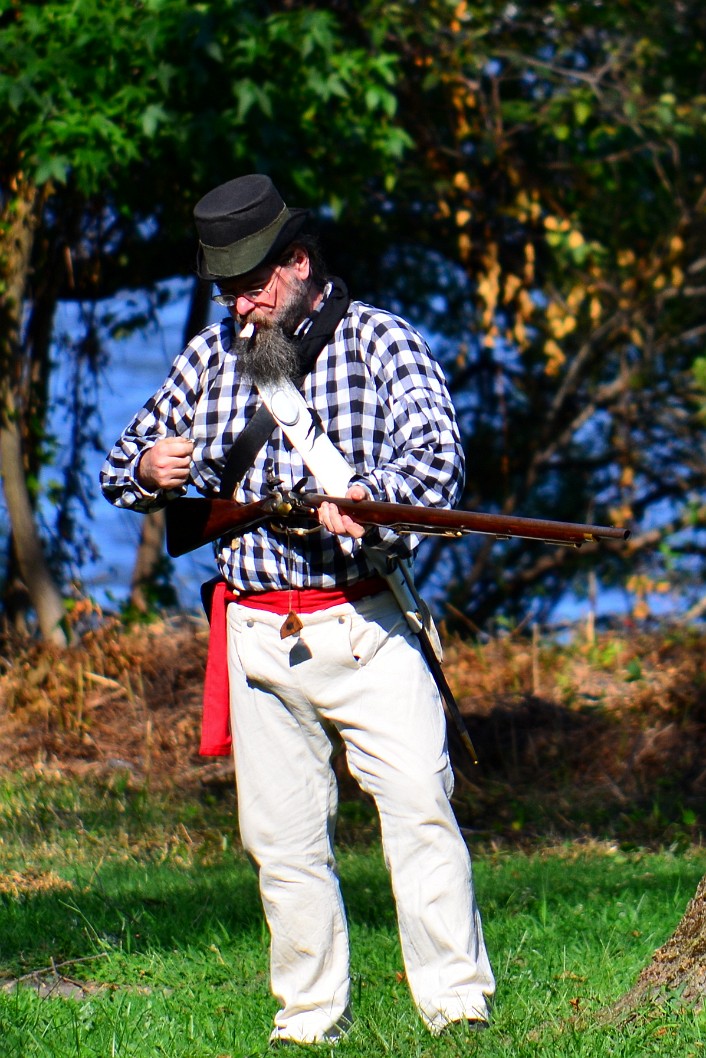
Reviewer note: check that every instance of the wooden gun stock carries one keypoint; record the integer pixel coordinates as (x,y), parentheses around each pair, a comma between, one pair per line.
(194,521)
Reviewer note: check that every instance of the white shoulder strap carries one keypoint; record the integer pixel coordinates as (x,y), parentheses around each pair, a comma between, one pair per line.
(289,409)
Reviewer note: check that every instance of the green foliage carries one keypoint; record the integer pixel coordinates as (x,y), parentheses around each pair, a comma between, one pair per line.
(565,151)
(79,88)
(90,90)
(529,182)
(116,116)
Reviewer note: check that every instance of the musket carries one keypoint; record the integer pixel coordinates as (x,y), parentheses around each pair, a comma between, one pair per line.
(195,521)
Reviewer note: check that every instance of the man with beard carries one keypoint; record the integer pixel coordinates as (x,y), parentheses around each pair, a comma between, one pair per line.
(318,652)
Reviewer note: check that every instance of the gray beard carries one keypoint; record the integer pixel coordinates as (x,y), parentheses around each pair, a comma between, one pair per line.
(272,354)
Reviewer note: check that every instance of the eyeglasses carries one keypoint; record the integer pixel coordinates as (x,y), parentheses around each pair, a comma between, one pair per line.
(254,294)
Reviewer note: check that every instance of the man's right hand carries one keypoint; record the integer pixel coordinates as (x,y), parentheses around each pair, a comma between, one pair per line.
(166,464)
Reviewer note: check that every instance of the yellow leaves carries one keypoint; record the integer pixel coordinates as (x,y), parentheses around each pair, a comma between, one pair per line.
(459,16)
(560,327)
(620,515)
(595,309)
(488,291)
(528,207)
(519,333)
(555,358)
(489,286)
(512,285)
(659,269)
(561,235)
(462,355)
(462,98)
(525,305)
(489,337)
(463,215)
(514,292)
(640,584)
(530,257)
(561,322)
(463,128)
(641,587)
(627,477)
(576,297)
(557,224)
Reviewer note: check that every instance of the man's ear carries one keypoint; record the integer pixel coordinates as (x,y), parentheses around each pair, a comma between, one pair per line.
(301,263)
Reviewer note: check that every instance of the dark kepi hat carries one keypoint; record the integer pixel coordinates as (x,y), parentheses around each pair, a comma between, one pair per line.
(241,224)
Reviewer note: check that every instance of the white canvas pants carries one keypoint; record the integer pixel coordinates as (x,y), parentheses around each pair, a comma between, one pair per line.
(356,668)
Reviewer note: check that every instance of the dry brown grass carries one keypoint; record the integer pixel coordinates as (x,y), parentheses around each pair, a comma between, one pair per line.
(607,734)
(129,696)
(590,737)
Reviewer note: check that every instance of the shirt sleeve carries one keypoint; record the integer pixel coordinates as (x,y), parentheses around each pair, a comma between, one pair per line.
(168,413)
(424,461)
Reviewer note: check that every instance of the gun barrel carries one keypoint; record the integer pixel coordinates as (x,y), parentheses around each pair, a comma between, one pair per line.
(431,521)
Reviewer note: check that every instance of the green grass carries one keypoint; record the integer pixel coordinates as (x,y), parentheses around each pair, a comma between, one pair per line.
(153,907)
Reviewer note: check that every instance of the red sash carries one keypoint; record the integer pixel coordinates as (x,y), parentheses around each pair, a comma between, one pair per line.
(216,739)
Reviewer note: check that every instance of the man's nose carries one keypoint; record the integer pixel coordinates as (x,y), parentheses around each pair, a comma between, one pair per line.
(243,305)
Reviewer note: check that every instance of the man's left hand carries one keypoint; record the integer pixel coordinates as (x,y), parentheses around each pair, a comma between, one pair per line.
(342,524)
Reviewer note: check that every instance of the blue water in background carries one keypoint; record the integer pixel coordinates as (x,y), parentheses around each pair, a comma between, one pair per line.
(136,366)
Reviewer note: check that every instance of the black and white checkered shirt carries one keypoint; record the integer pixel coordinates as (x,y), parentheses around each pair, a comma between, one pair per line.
(380,396)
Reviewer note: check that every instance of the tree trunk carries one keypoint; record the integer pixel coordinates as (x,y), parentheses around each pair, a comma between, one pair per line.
(681,962)
(19,223)
(150,549)
(678,968)
(34,400)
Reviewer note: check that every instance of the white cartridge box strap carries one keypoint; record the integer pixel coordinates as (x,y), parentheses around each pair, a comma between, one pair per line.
(303,428)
